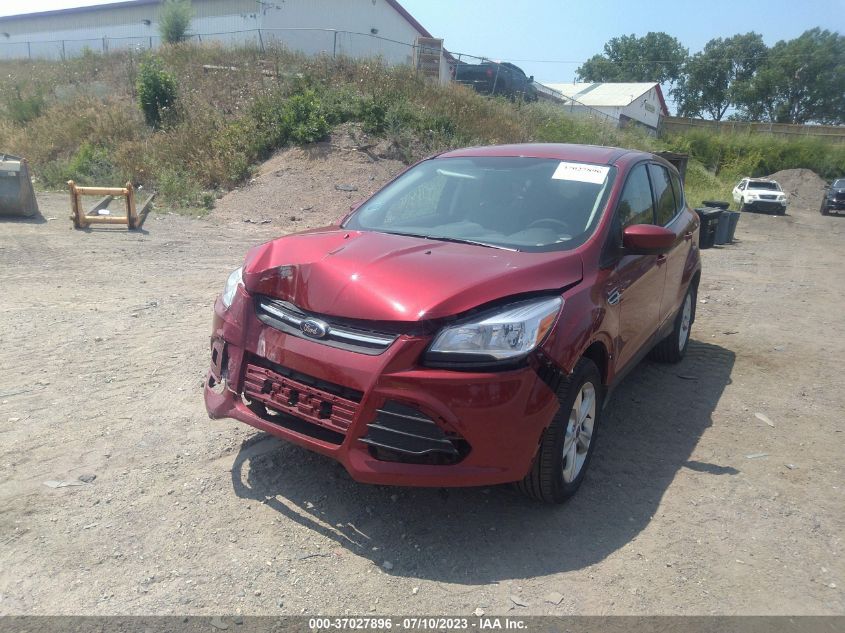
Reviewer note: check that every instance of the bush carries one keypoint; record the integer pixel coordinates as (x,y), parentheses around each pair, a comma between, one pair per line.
(21,109)
(177,188)
(156,91)
(91,165)
(174,20)
(738,155)
(304,118)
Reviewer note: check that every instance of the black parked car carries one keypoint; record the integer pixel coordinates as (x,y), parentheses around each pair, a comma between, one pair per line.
(834,197)
(491,78)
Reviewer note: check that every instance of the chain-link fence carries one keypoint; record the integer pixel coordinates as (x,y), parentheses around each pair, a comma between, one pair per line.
(305,40)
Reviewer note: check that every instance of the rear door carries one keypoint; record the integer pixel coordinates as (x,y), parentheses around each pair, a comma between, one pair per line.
(637,280)
(670,212)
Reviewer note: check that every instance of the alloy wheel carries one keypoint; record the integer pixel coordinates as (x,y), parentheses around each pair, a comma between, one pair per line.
(686,318)
(579,432)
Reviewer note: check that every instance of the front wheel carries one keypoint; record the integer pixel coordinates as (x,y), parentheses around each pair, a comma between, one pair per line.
(824,209)
(568,443)
(673,348)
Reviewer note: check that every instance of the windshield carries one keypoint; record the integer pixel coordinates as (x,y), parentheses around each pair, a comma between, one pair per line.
(839,184)
(530,204)
(764,184)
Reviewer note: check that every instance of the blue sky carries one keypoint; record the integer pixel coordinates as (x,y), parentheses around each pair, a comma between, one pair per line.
(575,30)
(540,31)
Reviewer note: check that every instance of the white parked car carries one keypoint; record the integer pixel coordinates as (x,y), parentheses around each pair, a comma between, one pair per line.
(759,194)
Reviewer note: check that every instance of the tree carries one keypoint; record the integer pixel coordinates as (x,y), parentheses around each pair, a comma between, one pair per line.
(802,80)
(655,57)
(174,20)
(711,79)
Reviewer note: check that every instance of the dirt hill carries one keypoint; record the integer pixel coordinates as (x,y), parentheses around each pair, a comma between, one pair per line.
(304,187)
(804,187)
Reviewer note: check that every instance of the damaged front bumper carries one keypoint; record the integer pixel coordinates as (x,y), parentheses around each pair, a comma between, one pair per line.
(384,417)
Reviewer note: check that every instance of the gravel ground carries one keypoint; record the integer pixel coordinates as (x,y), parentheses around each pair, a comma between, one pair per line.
(716,487)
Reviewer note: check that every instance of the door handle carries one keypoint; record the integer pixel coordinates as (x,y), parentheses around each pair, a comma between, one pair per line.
(688,236)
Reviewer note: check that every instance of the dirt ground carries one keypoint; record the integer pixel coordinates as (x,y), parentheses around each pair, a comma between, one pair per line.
(695,504)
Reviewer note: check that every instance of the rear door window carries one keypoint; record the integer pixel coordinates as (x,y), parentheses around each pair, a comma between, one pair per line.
(663,195)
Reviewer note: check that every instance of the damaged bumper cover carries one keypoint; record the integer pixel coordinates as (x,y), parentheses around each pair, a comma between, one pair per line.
(384,417)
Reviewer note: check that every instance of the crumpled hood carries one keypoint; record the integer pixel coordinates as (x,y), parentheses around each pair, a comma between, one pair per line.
(383,277)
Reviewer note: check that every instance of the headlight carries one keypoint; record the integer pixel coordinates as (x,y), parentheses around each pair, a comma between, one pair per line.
(751,196)
(503,334)
(235,279)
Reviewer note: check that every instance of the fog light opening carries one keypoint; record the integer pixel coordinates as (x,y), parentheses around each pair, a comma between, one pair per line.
(218,388)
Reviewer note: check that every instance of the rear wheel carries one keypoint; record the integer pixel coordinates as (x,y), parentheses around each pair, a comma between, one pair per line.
(568,443)
(673,348)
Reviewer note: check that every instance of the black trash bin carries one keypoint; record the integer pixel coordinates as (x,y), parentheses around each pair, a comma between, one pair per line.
(716,204)
(709,222)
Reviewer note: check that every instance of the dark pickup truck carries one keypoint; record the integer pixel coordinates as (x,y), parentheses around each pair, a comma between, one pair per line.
(491,78)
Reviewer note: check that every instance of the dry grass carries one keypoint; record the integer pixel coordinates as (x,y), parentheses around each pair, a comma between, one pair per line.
(230,117)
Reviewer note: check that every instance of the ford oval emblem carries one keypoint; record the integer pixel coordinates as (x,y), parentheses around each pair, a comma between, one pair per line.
(314,328)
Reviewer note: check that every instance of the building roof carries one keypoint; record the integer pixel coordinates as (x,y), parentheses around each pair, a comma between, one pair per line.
(608,94)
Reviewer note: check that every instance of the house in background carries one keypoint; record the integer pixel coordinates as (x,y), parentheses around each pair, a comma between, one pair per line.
(629,103)
(354,28)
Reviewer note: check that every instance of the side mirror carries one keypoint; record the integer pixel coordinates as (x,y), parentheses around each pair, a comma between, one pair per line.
(827,186)
(647,239)
(531,79)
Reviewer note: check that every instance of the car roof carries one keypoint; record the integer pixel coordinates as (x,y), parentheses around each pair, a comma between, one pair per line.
(760,180)
(558,151)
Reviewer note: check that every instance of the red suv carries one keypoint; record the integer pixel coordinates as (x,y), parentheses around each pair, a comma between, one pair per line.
(464,325)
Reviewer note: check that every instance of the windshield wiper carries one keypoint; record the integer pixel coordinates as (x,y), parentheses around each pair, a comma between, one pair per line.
(458,240)
(455,240)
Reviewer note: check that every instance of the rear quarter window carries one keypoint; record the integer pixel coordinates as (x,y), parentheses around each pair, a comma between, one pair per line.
(663,195)
(678,190)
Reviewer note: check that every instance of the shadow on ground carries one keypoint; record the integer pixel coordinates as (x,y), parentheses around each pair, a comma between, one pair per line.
(36,218)
(476,535)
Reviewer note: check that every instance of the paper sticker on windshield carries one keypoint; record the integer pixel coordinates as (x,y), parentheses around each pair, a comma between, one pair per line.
(581,172)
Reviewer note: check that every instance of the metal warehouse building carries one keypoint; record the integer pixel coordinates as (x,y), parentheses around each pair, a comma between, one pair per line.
(638,103)
(355,28)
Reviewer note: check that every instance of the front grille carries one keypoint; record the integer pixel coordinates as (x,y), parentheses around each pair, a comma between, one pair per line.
(288,318)
(766,196)
(839,197)
(309,399)
(401,433)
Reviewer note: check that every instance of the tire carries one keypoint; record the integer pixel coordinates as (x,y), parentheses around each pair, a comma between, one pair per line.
(742,205)
(555,477)
(824,210)
(673,348)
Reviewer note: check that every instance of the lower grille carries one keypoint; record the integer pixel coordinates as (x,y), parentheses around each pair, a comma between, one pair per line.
(285,394)
(404,434)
